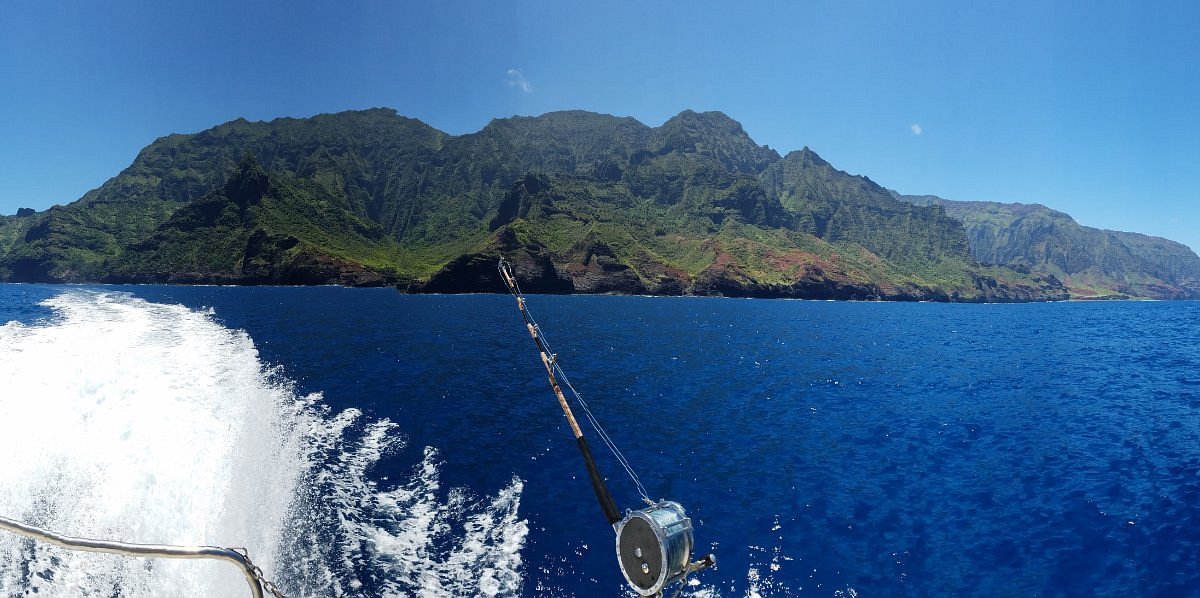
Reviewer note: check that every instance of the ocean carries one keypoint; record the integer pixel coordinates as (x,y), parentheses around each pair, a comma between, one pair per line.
(359,442)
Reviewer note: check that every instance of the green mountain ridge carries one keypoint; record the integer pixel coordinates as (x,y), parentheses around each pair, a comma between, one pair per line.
(1091,262)
(581,202)
(261,229)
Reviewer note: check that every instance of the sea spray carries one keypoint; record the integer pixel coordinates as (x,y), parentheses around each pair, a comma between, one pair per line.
(127,420)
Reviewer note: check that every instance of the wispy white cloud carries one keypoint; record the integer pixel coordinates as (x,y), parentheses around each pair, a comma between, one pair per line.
(916,129)
(516,79)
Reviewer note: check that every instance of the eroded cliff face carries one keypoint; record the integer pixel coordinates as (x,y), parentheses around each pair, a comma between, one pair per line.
(1091,263)
(580,202)
(592,266)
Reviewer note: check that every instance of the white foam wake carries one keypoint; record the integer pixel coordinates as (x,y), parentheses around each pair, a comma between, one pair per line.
(134,421)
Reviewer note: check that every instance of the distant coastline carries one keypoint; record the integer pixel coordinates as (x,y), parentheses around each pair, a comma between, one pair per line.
(582,203)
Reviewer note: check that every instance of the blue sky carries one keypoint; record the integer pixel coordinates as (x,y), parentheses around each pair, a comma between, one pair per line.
(1087,107)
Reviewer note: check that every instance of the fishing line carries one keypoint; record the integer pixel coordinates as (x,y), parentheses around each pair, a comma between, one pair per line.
(515,289)
(654,544)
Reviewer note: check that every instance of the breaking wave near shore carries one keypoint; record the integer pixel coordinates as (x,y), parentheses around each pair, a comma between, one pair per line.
(126,420)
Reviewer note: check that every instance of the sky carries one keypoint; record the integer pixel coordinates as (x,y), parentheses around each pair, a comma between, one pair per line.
(1090,108)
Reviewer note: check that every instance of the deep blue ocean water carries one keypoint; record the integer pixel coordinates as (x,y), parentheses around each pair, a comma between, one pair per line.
(821,448)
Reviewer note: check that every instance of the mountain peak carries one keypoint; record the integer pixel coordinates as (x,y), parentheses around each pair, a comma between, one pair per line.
(712,122)
(806,156)
(713,134)
(711,116)
(249,182)
(577,122)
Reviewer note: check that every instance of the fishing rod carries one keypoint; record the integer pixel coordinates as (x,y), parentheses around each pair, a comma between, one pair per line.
(654,544)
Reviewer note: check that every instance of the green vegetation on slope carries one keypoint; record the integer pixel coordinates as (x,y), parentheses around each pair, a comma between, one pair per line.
(595,202)
(263,229)
(1092,263)
(596,236)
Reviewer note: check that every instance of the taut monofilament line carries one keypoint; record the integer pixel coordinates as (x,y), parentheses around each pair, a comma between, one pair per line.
(654,544)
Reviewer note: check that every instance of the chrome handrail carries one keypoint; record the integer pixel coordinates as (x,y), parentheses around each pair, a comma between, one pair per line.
(140,550)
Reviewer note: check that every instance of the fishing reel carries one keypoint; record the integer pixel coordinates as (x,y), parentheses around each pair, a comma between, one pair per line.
(654,545)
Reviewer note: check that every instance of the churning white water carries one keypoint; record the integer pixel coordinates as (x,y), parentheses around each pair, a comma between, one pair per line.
(133,421)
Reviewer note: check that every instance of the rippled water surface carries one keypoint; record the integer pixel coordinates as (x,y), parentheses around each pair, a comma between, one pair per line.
(412,446)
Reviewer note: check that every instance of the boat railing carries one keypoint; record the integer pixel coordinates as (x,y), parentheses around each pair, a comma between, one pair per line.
(253,574)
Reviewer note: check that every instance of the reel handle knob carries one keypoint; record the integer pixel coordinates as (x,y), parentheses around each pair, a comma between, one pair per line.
(708,561)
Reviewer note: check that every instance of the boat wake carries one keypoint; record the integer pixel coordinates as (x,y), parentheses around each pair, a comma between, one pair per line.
(140,422)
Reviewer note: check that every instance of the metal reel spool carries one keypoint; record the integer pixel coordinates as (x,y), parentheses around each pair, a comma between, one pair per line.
(653,546)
